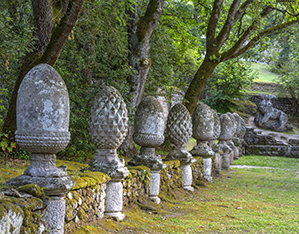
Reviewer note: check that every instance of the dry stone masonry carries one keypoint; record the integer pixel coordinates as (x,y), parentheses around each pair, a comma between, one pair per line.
(42,129)
(148,133)
(179,131)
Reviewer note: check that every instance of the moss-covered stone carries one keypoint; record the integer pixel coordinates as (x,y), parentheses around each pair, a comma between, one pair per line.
(32,189)
(90,179)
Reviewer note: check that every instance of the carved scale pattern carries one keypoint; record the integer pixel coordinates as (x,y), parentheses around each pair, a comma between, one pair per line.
(108,119)
(42,142)
(179,125)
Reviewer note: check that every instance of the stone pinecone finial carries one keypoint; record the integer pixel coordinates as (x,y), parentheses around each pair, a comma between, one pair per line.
(179,125)
(108,121)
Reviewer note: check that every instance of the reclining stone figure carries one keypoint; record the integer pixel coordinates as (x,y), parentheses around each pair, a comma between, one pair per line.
(269,117)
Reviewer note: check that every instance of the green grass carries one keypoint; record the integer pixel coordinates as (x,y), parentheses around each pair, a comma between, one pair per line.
(241,201)
(262,161)
(264,75)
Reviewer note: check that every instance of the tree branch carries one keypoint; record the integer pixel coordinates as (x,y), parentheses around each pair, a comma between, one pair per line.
(239,44)
(147,23)
(61,32)
(258,37)
(213,21)
(229,23)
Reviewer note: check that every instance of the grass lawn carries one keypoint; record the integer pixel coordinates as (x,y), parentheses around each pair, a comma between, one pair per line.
(264,75)
(241,201)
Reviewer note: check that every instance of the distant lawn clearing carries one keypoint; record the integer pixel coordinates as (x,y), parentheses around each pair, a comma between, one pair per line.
(264,75)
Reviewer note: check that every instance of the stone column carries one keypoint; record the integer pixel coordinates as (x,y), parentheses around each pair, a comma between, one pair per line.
(203,132)
(235,150)
(238,137)
(215,147)
(227,131)
(179,131)
(42,129)
(108,126)
(148,133)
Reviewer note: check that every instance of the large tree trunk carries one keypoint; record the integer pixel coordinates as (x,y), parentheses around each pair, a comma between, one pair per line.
(47,49)
(139,33)
(198,83)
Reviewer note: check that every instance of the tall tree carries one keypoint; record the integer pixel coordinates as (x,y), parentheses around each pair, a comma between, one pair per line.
(232,30)
(49,42)
(140,29)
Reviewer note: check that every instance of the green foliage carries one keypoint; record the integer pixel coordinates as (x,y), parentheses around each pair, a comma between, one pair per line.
(3,95)
(94,55)
(226,84)
(175,49)
(16,28)
(287,61)
(6,145)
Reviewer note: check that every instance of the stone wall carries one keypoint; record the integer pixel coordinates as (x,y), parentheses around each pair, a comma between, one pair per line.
(284,104)
(259,143)
(85,203)
(20,211)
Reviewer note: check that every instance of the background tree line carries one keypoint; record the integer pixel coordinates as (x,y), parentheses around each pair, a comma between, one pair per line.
(138,47)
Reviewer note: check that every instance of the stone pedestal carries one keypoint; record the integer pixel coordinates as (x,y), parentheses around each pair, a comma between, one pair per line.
(203,150)
(187,176)
(108,128)
(54,215)
(148,133)
(204,131)
(147,157)
(227,154)
(154,187)
(207,164)
(218,163)
(114,200)
(228,129)
(42,129)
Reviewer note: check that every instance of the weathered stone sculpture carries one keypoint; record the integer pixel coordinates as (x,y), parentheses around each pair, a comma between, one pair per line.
(238,137)
(227,132)
(42,129)
(179,131)
(215,147)
(203,132)
(148,133)
(269,117)
(108,128)
(230,142)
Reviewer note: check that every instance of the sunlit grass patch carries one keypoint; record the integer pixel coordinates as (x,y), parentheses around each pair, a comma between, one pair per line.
(262,161)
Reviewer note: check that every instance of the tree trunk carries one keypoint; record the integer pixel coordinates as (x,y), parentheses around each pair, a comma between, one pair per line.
(46,51)
(139,33)
(198,83)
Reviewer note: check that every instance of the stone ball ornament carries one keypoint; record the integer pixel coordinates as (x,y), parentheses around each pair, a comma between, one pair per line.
(42,111)
(179,125)
(108,121)
(149,123)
